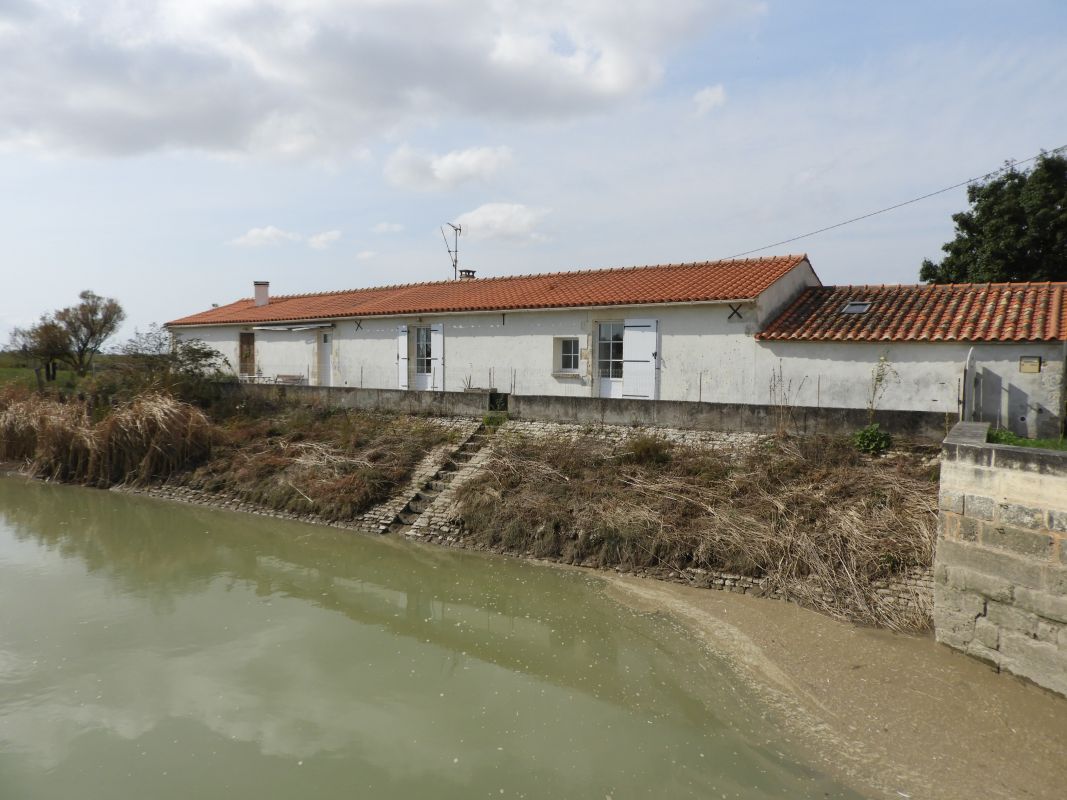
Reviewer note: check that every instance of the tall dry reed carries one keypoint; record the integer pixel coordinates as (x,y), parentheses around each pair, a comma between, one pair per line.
(149,438)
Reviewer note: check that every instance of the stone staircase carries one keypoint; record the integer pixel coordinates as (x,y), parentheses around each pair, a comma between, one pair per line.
(424,498)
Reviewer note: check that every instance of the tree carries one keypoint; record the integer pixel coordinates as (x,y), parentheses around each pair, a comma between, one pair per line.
(1015,230)
(186,367)
(88,325)
(44,344)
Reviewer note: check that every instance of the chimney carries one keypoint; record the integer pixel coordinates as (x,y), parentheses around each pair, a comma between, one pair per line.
(466,274)
(262,289)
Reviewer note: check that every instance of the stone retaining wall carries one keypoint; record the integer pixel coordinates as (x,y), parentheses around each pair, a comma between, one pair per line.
(926,426)
(1000,570)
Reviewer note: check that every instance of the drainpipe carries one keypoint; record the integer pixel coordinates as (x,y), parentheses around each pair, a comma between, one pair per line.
(966,394)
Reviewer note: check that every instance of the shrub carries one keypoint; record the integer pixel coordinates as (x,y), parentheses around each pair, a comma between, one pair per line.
(647,449)
(494,419)
(872,440)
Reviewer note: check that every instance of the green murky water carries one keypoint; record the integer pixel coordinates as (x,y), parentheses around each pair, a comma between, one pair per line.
(153,650)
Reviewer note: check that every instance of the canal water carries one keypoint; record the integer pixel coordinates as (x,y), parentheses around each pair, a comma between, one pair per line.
(155,650)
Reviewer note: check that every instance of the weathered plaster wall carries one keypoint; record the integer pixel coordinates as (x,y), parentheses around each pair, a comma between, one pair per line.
(926,376)
(1000,568)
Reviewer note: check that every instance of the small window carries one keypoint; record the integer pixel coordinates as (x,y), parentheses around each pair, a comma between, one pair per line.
(856,307)
(568,350)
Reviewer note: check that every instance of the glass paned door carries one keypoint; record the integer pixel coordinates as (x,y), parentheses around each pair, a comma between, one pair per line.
(609,358)
(423,358)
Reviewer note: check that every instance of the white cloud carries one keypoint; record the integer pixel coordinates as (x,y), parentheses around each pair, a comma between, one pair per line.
(509,221)
(324,240)
(387,227)
(268,236)
(415,169)
(363,255)
(319,78)
(709,98)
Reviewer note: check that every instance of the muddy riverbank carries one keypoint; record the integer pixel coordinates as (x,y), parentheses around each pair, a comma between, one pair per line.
(893,713)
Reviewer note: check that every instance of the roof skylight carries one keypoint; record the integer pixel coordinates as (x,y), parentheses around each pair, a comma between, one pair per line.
(856,307)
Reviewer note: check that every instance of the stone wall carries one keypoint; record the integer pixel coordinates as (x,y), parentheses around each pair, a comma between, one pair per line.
(1000,569)
(926,426)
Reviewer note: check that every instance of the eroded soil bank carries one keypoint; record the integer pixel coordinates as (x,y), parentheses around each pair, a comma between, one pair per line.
(893,714)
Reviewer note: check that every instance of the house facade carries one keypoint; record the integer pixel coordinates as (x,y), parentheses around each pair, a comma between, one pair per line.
(755,331)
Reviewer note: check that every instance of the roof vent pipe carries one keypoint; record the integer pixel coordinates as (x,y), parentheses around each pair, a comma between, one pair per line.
(262,289)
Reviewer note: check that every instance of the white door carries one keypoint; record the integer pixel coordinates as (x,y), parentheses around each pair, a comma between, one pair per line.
(609,358)
(402,356)
(326,359)
(640,343)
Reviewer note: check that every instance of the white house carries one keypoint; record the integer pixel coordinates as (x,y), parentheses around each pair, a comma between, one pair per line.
(753,331)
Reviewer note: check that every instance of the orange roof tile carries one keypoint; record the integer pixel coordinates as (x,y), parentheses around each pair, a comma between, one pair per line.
(968,312)
(743,279)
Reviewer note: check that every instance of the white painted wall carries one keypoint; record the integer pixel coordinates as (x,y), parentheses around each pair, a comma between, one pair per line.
(784,291)
(220,337)
(927,378)
(704,355)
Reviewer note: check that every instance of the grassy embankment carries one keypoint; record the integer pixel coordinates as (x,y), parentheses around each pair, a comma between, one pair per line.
(331,463)
(821,521)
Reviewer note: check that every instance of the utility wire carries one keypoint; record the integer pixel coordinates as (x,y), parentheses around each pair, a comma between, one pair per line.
(1009,166)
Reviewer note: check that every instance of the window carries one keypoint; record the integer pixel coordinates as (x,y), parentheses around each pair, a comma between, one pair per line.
(422,351)
(568,349)
(856,307)
(609,350)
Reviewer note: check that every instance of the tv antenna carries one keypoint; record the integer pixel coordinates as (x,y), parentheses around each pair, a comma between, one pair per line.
(453,250)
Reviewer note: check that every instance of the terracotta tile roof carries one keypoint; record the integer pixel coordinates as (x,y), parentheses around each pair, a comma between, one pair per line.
(743,279)
(970,312)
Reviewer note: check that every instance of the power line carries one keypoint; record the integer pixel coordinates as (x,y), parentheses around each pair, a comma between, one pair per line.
(1009,166)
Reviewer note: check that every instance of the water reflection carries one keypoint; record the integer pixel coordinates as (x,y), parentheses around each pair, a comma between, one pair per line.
(147,634)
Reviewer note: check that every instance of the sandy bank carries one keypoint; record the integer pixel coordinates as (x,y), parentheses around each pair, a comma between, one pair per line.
(896,715)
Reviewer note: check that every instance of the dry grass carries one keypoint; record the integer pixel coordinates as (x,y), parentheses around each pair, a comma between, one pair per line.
(334,464)
(145,440)
(821,522)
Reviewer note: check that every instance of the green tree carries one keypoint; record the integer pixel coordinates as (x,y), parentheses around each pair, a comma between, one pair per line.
(1015,230)
(88,325)
(43,345)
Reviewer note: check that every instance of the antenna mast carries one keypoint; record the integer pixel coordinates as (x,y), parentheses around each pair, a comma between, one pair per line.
(453,250)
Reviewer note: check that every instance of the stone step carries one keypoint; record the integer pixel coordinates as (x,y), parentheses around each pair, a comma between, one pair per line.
(407,517)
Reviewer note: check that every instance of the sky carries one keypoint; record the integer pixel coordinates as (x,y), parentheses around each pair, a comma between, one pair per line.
(169,152)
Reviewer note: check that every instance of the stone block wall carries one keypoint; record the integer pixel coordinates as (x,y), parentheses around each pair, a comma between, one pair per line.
(1000,569)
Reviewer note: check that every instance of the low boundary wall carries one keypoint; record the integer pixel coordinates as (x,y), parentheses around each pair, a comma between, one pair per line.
(445,404)
(919,425)
(1000,569)
(924,426)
